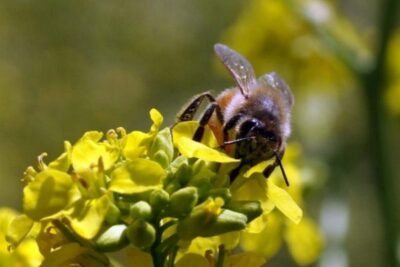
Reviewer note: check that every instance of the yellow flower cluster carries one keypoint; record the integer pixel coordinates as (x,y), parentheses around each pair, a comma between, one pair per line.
(159,198)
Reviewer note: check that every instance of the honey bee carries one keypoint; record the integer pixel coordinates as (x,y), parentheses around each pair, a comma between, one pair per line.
(250,121)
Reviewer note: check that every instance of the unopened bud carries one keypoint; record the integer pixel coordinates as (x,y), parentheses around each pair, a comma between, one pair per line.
(140,210)
(141,234)
(252,209)
(183,201)
(112,239)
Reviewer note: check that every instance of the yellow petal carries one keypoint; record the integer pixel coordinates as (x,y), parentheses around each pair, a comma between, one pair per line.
(188,128)
(254,189)
(193,260)
(73,254)
(49,193)
(258,224)
(157,119)
(259,168)
(305,241)
(135,144)
(182,134)
(245,259)
(63,162)
(18,229)
(87,216)
(88,150)
(268,241)
(137,257)
(284,202)
(137,176)
(192,149)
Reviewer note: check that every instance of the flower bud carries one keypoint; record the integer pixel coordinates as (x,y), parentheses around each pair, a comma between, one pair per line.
(252,209)
(140,210)
(112,239)
(200,225)
(183,173)
(172,186)
(113,214)
(223,193)
(158,200)
(162,143)
(183,201)
(141,234)
(162,158)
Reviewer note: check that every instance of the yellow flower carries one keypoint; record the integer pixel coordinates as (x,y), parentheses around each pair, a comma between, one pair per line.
(27,253)
(160,192)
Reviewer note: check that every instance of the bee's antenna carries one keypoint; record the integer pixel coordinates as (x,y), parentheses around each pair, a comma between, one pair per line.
(278,159)
(238,140)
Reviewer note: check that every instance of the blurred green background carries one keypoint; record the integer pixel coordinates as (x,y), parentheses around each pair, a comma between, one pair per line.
(67,67)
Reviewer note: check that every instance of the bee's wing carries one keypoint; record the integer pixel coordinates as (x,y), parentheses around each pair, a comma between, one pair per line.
(274,81)
(240,69)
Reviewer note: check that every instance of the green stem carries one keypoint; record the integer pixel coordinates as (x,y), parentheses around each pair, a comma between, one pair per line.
(157,262)
(167,244)
(374,83)
(172,256)
(221,256)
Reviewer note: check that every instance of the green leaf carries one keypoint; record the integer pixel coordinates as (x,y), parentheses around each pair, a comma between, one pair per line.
(137,175)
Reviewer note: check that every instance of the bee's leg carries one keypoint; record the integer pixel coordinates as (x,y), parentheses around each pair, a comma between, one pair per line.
(235,172)
(190,110)
(270,168)
(229,126)
(205,118)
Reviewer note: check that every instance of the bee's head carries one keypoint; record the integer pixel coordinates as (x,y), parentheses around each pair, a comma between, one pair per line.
(255,129)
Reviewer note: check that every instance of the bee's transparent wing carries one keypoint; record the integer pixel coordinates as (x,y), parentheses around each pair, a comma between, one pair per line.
(274,81)
(240,69)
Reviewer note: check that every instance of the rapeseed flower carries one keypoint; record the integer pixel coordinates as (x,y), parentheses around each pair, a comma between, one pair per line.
(159,198)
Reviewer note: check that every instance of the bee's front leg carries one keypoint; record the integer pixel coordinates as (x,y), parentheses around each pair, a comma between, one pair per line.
(270,168)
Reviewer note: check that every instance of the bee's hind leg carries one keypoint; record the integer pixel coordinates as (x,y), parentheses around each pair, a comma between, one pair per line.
(190,110)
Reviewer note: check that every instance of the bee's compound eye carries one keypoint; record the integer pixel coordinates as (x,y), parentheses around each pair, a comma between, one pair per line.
(248,126)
